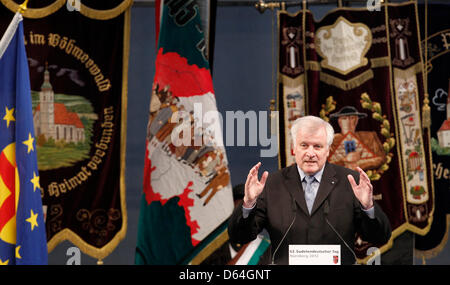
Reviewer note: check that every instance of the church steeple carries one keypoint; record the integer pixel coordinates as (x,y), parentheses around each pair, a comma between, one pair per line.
(46,86)
(47,108)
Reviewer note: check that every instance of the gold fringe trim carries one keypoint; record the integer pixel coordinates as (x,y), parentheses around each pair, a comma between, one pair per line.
(427,254)
(36,13)
(349,84)
(210,248)
(379,62)
(405,73)
(292,82)
(395,233)
(66,234)
(313,65)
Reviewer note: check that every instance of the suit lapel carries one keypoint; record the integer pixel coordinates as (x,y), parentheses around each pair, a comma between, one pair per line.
(327,183)
(294,187)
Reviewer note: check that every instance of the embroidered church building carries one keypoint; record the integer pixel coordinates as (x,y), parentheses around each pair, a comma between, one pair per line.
(53,120)
(444,131)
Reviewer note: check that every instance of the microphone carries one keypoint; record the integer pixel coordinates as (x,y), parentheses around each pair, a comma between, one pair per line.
(326,210)
(294,208)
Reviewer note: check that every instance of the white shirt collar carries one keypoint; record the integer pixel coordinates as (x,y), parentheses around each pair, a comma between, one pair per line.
(317,175)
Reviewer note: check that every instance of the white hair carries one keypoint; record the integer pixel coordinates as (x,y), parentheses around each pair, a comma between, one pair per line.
(312,124)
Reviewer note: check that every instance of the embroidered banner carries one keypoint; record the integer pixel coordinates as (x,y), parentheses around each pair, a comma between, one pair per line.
(438,87)
(362,71)
(187,190)
(78,73)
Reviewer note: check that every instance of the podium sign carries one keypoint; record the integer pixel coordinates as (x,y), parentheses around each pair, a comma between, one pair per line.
(310,254)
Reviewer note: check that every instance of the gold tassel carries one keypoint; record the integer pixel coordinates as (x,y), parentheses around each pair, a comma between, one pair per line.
(426,113)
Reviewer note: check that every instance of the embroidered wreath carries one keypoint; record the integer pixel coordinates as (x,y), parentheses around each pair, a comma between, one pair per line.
(417,191)
(327,108)
(375,108)
(385,126)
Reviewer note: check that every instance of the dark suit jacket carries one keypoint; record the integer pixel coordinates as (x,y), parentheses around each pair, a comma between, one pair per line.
(283,197)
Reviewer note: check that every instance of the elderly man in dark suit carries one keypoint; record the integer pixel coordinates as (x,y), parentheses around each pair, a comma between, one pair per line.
(313,191)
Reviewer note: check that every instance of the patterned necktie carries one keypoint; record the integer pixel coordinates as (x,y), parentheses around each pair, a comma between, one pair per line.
(309,192)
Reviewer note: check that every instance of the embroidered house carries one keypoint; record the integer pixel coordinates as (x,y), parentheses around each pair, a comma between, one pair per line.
(414,162)
(294,106)
(361,149)
(53,120)
(444,131)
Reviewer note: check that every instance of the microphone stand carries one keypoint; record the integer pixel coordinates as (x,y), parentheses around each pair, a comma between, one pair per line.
(285,234)
(326,210)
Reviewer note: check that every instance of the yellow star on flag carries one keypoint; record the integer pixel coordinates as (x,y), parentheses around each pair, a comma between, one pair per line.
(17,252)
(4,262)
(32,220)
(9,116)
(35,182)
(29,143)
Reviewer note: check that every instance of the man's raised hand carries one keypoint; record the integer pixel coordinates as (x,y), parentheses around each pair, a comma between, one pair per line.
(254,186)
(363,191)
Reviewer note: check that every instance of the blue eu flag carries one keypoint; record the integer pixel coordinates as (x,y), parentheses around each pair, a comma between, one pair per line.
(22,228)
